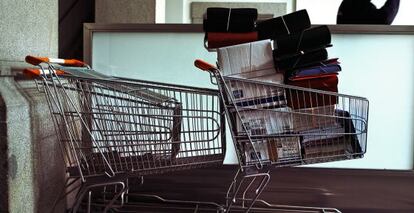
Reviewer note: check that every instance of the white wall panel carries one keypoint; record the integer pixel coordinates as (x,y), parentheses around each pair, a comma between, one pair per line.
(379,67)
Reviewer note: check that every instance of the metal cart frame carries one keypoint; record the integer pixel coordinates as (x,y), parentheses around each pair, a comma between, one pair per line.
(112,129)
(262,116)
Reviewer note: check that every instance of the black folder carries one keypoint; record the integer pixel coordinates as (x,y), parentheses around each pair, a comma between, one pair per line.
(283,25)
(230,19)
(302,60)
(345,120)
(302,42)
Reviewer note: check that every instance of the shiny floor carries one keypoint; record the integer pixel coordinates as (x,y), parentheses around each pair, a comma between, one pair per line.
(350,191)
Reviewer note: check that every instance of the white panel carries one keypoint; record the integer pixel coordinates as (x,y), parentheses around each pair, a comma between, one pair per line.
(165,57)
(405,13)
(379,67)
(159,11)
(320,11)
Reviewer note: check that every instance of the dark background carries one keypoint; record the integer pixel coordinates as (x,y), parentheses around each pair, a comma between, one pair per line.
(72,15)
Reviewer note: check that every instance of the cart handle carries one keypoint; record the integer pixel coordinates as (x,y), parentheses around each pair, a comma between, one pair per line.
(34,73)
(205,66)
(33,60)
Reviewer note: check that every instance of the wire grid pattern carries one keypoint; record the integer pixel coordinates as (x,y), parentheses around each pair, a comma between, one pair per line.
(112,126)
(285,125)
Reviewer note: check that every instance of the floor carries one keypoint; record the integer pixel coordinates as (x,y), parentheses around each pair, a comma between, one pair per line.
(350,191)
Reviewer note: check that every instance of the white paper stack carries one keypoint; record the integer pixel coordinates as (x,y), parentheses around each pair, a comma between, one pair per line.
(250,61)
(258,152)
(265,122)
(284,149)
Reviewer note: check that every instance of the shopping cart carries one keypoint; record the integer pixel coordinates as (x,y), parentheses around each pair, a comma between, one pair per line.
(111,129)
(277,125)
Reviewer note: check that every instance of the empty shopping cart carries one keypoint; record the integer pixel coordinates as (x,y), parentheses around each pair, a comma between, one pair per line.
(111,129)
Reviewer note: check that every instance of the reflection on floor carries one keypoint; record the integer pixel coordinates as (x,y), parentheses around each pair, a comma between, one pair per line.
(345,189)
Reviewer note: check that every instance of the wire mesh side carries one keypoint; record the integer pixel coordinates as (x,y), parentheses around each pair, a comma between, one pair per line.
(117,126)
(286,125)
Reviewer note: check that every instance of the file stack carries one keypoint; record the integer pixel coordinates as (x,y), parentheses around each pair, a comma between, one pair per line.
(288,124)
(231,26)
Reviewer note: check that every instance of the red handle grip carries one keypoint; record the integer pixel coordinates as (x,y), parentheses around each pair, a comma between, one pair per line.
(34,73)
(205,66)
(33,60)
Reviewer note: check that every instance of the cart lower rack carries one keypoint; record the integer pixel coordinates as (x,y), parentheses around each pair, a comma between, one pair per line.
(282,125)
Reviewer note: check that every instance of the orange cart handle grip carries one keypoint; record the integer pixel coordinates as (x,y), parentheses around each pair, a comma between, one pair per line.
(34,73)
(33,60)
(202,65)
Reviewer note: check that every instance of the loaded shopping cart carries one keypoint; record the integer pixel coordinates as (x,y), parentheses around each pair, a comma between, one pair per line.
(112,129)
(278,125)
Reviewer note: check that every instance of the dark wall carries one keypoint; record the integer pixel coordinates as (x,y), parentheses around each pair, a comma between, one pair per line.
(3,159)
(72,15)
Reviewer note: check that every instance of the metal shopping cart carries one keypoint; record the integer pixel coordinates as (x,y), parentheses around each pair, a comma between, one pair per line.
(111,129)
(281,125)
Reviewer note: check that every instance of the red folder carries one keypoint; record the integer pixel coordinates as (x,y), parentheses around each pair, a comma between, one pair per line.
(302,99)
(222,39)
